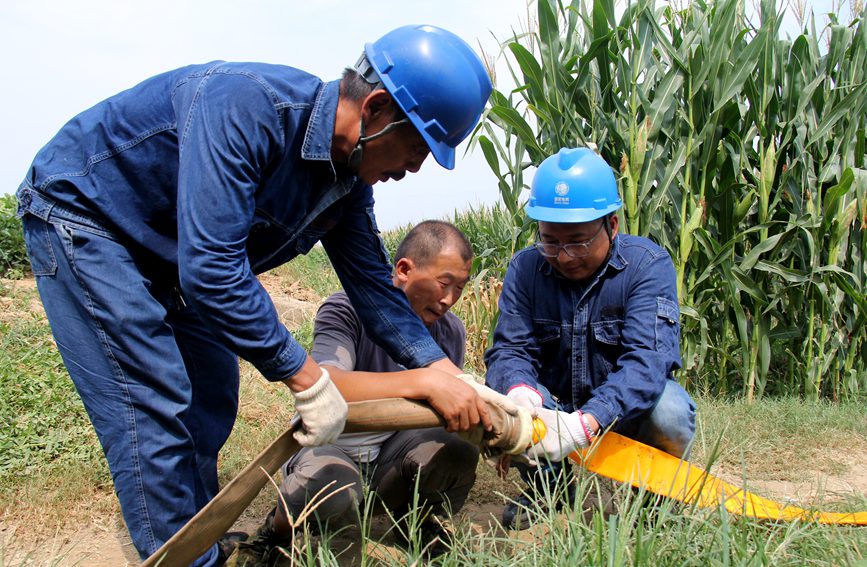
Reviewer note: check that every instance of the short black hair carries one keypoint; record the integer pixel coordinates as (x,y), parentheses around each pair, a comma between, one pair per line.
(353,86)
(428,238)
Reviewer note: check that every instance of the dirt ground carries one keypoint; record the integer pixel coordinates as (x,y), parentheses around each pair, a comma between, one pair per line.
(103,541)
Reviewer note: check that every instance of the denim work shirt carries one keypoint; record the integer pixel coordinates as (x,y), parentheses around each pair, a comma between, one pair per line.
(213,173)
(605,346)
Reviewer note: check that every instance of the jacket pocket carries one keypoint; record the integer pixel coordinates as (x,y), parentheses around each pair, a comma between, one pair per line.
(37,242)
(547,334)
(607,337)
(307,239)
(667,325)
(316,230)
(546,331)
(608,331)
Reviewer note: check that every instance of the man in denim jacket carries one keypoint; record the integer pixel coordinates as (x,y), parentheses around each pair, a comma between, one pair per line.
(147,217)
(588,333)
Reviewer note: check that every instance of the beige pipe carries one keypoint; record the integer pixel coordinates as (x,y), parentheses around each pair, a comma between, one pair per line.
(217,517)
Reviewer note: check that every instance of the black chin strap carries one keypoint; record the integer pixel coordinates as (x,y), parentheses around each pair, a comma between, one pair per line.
(354,161)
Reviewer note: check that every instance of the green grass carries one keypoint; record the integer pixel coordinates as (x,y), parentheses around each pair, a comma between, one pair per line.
(45,436)
(43,425)
(13,256)
(312,271)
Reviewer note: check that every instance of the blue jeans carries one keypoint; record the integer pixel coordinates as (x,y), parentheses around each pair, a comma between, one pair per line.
(160,390)
(669,427)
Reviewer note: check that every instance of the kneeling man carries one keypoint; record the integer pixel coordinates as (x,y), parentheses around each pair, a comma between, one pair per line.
(589,329)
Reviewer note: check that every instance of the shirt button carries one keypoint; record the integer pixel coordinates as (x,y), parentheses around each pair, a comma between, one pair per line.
(578,358)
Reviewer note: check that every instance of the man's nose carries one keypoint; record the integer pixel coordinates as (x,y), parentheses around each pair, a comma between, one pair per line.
(416,163)
(450,298)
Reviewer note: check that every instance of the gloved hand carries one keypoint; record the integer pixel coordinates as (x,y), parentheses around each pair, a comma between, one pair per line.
(322,410)
(525,420)
(491,396)
(525,396)
(566,432)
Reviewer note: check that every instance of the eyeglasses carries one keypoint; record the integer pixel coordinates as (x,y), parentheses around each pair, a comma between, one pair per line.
(572,249)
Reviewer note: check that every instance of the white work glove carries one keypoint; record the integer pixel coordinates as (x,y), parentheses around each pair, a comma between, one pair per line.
(566,433)
(491,396)
(525,396)
(323,412)
(525,420)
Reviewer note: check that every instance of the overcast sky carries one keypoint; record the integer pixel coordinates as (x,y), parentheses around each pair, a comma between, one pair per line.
(62,56)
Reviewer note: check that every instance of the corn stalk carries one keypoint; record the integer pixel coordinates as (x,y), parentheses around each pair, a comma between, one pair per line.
(740,151)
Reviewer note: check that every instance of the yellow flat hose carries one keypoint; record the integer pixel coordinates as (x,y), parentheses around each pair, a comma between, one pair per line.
(625,460)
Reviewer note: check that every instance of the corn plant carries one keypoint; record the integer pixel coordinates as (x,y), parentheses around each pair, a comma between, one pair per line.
(496,233)
(738,150)
(477,308)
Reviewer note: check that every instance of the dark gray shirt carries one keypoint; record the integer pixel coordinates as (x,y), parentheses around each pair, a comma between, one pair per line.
(339,340)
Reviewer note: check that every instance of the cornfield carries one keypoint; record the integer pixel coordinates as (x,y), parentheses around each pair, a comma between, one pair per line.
(738,150)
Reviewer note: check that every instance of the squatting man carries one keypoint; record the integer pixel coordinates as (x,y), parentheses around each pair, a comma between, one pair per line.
(588,335)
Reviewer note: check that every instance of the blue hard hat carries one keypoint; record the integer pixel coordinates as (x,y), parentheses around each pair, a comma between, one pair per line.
(573,185)
(436,79)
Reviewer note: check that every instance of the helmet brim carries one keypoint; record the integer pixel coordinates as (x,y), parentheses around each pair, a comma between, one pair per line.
(551,214)
(443,153)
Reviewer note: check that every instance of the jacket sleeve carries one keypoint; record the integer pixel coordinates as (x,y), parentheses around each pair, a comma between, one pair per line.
(228,131)
(361,263)
(514,358)
(649,342)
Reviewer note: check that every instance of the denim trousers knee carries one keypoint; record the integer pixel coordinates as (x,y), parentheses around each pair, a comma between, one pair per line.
(160,390)
(669,426)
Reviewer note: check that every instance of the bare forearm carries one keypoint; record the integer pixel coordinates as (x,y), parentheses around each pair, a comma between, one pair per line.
(305,378)
(446,365)
(357,386)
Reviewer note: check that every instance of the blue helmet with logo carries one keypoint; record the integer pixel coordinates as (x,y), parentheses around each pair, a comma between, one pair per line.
(437,80)
(573,185)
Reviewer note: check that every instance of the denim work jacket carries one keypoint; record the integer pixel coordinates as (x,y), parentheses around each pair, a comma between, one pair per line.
(605,346)
(213,173)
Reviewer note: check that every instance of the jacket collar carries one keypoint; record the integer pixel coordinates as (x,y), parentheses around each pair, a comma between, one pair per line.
(320,128)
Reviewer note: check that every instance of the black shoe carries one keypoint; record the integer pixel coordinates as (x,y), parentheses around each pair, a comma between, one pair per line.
(436,538)
(227,544)
(519,514)
(432,537)
(525,510)
(262,549)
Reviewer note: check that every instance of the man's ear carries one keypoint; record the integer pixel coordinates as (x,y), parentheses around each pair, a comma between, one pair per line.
(402,269)
(377,105)
(614,223)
